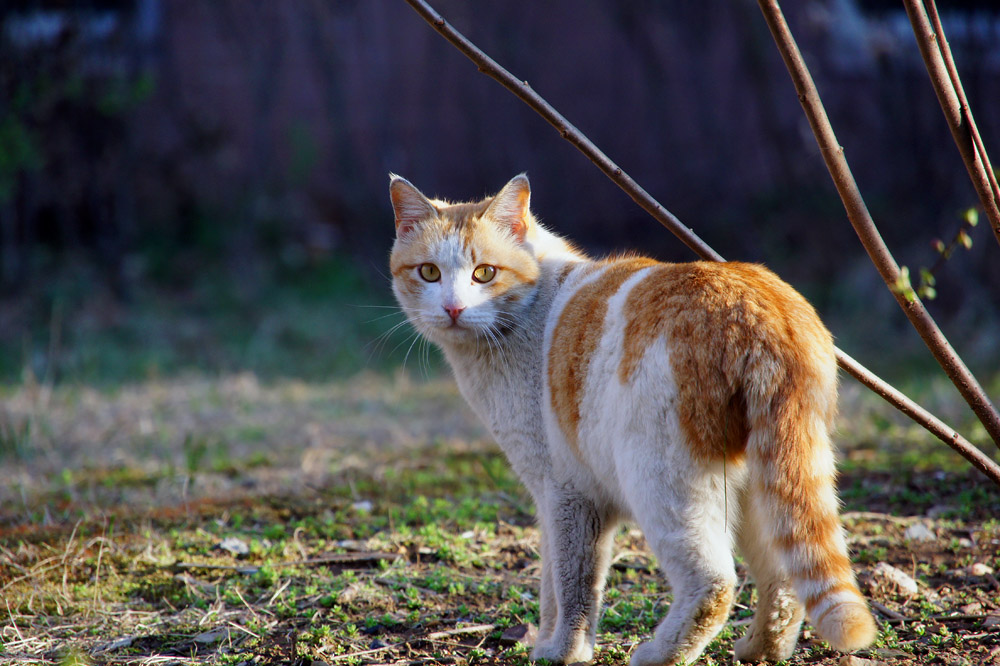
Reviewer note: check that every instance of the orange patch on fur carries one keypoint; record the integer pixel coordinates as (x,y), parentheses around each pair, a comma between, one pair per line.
(815,524)
(735,333)
(812,601)
(832,567)
(575,338)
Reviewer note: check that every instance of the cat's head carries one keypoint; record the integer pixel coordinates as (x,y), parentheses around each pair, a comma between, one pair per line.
(465,271)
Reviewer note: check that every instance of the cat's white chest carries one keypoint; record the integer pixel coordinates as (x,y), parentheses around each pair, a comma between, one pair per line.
(503,396)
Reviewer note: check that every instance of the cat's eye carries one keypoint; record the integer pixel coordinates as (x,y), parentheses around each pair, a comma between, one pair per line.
(484,273)
(430,272)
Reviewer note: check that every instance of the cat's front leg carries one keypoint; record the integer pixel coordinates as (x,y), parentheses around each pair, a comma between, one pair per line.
(548,607)
(579,538)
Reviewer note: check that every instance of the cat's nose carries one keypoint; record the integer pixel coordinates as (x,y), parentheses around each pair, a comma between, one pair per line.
(453,311)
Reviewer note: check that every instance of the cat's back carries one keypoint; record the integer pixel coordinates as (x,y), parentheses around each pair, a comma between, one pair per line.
(703,337)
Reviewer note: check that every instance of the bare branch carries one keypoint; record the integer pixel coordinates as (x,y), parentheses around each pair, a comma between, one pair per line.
(931,423)
(857,212)
(524,92)
(950,93)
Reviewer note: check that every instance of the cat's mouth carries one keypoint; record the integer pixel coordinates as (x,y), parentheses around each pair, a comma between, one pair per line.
(455,329)
(445,328)
(456,326)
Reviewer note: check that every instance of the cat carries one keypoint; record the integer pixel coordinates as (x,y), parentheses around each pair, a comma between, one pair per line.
(695,399)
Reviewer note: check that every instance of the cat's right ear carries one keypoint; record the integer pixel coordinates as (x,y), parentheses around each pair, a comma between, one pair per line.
(410,206)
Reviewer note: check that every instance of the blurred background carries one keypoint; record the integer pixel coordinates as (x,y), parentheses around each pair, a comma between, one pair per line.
(201,186)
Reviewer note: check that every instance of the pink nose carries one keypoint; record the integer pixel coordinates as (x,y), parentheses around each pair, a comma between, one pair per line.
(453,311)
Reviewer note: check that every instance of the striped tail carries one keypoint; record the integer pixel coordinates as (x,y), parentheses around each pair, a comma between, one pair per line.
(791,486)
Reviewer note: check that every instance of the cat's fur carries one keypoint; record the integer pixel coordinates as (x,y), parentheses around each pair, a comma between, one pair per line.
(695,399)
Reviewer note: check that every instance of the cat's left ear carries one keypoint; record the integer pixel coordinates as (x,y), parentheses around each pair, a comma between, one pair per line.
(509,208)
(410,206)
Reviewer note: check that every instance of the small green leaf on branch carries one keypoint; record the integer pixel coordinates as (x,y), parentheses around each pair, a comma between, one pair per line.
(965,239)
(903,286)
(971,216)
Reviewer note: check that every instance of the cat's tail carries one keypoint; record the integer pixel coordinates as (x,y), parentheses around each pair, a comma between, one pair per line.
(794,503)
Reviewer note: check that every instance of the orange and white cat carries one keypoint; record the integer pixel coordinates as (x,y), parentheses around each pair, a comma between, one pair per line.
(695,399)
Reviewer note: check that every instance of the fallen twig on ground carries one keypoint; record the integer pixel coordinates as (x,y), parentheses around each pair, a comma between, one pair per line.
(339,559)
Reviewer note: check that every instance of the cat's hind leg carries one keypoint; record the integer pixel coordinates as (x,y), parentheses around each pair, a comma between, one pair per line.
(774,631)
(579,539)
(682,512)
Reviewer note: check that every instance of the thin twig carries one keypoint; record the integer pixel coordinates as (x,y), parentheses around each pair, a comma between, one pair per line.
(959,617)
(489,67)
(461,631)
(243,629)
(861,220)
(278,592)
(250,608)
(362,653)
(874,515)
(947,85)
(13,622)
(888,612)
(524,92)
(341,559)
(246,569)
(97,572)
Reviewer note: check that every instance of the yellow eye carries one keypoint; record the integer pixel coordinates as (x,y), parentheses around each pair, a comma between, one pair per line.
(430,272)
(484,273)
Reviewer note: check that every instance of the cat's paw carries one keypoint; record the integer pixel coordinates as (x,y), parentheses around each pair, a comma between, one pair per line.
(552,651)
(748,649)
(546,650)
(651,654)
(754,648)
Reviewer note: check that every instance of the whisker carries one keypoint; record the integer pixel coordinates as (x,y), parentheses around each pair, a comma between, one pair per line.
(417,338)
(426,346)
(378,269)
(381,317)
(383,338)
(415,335)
